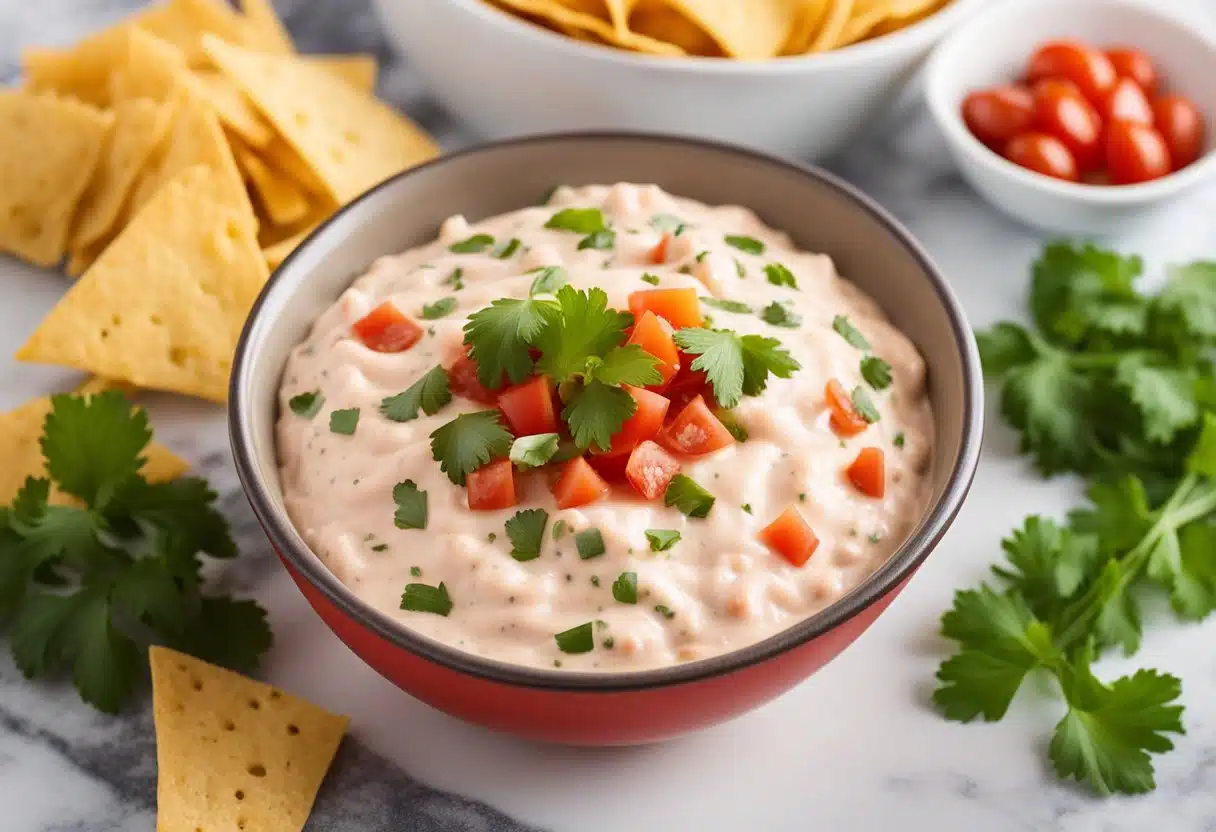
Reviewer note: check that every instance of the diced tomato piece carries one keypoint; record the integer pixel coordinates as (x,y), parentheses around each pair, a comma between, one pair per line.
(846,421)
(791,537)
(386,329)
(653,334)
(609,466)
(868,472)
(688,383)
(658,254)
(492,486)
(463,381)
(679,307)
(578,485)
(645,423)
(528,407)
(650,469)
(696,430)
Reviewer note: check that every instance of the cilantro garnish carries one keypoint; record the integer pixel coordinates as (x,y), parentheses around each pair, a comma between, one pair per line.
(779,275)
(596,412)
(559,529)
(344,422)
(578,220)
(534,451)
(548,280)
(667,222)
(473,245)
(508,249)
(665,611)
(727,305)
(603,240)
(468,442)
(876,372)
(429,394)
(499,337)
(625,588)
(416,571)
(748,245)
(735,365)
(899,440)
(89,585)
(439,309)
(689,498)
(780,314)
(845,329)
(306,405)
(424,598)
(864,405)
(662,539)
(590,544)
(740,270)
(411,510)
(455,279)
(526,529)
(652,279)
(583,328)
(732,424)
(580,639)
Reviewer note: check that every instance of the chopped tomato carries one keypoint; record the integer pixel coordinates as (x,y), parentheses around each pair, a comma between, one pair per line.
(658,254)
(650,469)
(846,421)
(492,486)
(696,430)
(463,381)
(609,466)
(653,334)
(578,485)
(679,307)
(386,329)
(528,407)
(688,383)
(791,537)
(997,115)
(868,472)
(645,423)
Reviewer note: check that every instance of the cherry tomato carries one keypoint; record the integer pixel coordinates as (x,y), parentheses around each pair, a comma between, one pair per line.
(1065,114)
(1057,86)
(997,115)
(1134,64)
(1180,124)
(1043,154)
(1088,68)
(1126,101)
(1135,153)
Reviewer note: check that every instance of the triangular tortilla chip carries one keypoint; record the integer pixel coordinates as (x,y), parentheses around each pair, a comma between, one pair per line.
(752,31)
(280,156)
(265,31)
(50,148)
(232,753)
(139,126)
(20,430)
(164,304)
(233,108)
(184,22)
(351,140)
(283,202)
(275,254)
(81,71)
(151,69)
(357,70)
(564,15)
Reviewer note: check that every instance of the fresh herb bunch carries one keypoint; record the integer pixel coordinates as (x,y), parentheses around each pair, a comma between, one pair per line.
(96,562)
(1114,384)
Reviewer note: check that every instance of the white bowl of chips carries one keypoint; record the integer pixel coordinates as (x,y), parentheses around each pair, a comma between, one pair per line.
(797,77)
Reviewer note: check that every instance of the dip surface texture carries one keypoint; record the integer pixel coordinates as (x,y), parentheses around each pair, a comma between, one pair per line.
(718,588)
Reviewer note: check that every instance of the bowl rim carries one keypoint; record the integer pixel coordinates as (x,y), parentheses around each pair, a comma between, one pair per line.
(944,60)
(928,28)
(886,578)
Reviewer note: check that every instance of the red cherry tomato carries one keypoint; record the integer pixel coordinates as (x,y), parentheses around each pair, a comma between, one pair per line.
(1134,64)
(997,115)
(1180,124)
(1064,113)
(1088,68)
(1043,154)
(1135,153)
(1126,101)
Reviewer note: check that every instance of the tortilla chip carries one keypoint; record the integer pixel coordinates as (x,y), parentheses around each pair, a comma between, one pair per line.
(81,71)
(356,70)
(833,26)
(283,158)
(659,21)
(283,202)
(184,23)
(139,126)
(265,30)
(557,13)
(351,140)
(233,108)
(806,25)
(164,304)
(275,254)
(232,753)
(751,31)
(21,428)
(152,69)
(49,148)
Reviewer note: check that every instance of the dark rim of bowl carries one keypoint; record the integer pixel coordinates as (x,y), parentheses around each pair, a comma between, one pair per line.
(899,567)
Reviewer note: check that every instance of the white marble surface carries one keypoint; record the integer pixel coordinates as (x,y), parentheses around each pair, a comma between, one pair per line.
(854,748)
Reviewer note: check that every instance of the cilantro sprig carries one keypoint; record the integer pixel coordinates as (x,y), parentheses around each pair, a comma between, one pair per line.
(88,584)
(736,365)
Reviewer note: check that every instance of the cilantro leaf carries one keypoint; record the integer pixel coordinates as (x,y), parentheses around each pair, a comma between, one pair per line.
(306,405)
(149,592)
(473,245)
(499,337)
(430,394)
(578,220)
(105,661)
(534,451)
(1202,458)
(876,372)
(580,639)
(735,365)
(179,514)
(229,632)
(652,279)
(1076,291)
(1048,402)
(625,588)
(526,529)
(468,442)
(586,328)
(1047,564)
(662,539)
(597,412)
(589,543)
(779,275)
(411,504)
(748,245)
(1187,303)
(1165,396)
(1004,347)
(603,240)
(864,405)
(92,444)
(548,280)
(727,305)
(344,422)
(1192,578)
(508,248)
(688,497)
(629,364)
(845,329)
(667,222)
(780,314)
(439,309)
(38,632)
(425,598)
(1117,621)
(1118,515)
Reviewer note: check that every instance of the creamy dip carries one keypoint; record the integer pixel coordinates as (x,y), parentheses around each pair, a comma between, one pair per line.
(718,588)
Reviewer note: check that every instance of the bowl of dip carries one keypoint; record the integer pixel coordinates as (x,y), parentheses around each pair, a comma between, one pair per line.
(604,438)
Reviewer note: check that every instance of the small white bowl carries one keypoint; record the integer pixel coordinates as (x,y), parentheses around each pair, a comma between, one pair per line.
(506,77)
(992,48)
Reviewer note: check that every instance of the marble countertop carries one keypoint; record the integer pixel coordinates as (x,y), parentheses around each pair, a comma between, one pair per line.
(854,748)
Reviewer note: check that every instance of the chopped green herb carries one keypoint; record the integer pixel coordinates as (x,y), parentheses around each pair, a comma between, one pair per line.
(747,507)
(596,413)
(468,442)
(411,503)
(665,611)
(590,544)
(652,279)
(688,497)
(344,421)
(609,643)
(508,249)
(455,279)
(580,639)
(864,405)
(876,372)
(874,538)
(625,588)
(748,245)
(727,305)
(473,245)
(491,537)
(780,314)
(501,335)
(599,241)
(701,255)
(559,529)
(424,598)
(732,424)
(845,329)
(535,450)
(740,269)
(416,571)
(578,220)
(595,580)
(438,309)
(736,366)
(899,440)
(802,497)
(306,405)
(380,547)
(662,539)
(527,533)
(429,394)
(667,222)
(779,275)
(548,280)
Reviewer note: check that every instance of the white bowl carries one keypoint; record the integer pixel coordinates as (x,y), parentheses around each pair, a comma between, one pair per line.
(506,78)
(992,48)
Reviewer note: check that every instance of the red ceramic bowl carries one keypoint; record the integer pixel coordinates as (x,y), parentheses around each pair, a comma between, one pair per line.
(820,212)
